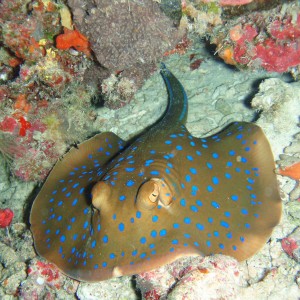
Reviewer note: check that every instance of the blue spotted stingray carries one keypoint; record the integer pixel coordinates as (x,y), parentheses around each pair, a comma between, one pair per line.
(111,208)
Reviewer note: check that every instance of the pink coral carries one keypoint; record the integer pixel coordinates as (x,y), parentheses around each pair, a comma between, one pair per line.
(6,216)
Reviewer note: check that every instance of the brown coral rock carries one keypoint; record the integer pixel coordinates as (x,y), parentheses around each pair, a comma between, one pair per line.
(125,35)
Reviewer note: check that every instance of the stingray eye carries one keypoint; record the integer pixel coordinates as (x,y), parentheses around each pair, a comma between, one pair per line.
(100,195)
(153,191)
(147,196)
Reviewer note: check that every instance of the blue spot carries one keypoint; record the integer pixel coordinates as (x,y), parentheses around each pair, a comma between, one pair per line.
(122,198)
(215,155)
(98,227)
(143,255)
(59,218)
(221,246)
(244,160)
(198,153)
(247,225)
(187,178)
(231,152)
(74,202)
(209,165)
(81,191)
(57,232)
(105,239)
(75,236)
(51,200)
(131,220)
(208,243)
(229,235)
(187,220)
(186,235)
(199,202)
(234,198)
(193,171)
(173,136)
(154,219)
(151,246)
(54,192)
(183,202)
(200,226)
(216,233)
(86,210)
(163,232)
(170,165)
(210,220)
(215,180)
(174,242)
(179,148)
(172,249)
(239,136)
(247,149)
(215,204)
(182,185)
(234,247)
(176,225)
(104,264)
(63,238)
(227,175)
(143,240)
(168,142)
(244,211)
(148,162)
(167,171)
(209,188)
(112,255)
(238,170)
(152,151)
(154,172)
(93,244)
(121,227)
(86,224)
(138,214)
(129,169)
(153,233)
(194,190)
(134,253)
(193,208)
(196,244)
(204,146)
(250,180)
(242,239)
(192,144)
(224,224)
(130,183)
(189,157)
(60,203)
(256,215)
(227,214)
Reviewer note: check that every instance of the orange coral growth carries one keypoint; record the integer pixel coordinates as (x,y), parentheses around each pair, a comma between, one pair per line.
(73,38)
(22,104)
(227,55)
(292,171)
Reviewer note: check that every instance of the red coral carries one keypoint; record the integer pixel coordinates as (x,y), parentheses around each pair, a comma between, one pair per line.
(285,29)
(278,58)
(8,124)
(289,245)
(73,38)
(6,216)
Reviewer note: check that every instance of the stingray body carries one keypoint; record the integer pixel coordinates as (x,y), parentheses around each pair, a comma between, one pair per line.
(109,208)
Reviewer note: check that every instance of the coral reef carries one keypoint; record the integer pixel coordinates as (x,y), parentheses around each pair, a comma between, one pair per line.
(40,93)
(117,91)
(6,216)
(125,36)
(215,276)
(257,40)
